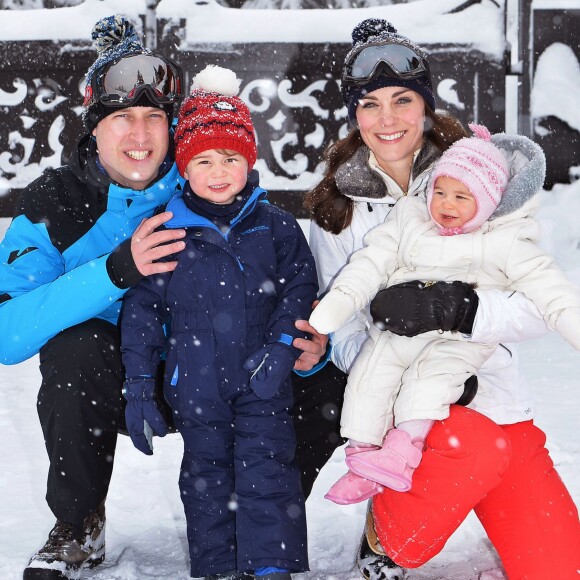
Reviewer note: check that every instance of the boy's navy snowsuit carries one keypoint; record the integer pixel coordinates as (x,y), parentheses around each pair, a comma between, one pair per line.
(231,294)
(60,294)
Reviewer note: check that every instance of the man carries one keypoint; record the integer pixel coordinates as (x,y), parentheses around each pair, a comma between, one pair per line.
(81,236)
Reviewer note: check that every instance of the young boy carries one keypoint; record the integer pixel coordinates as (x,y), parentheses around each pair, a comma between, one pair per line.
(226,318)
(410,382)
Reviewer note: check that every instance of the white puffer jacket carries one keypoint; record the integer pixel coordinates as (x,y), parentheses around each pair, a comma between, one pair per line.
(503,394)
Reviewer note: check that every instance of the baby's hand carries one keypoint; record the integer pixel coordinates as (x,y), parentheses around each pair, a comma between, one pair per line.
(334,310)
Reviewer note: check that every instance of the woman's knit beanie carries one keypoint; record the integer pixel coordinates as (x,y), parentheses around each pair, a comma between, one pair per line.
(373,32)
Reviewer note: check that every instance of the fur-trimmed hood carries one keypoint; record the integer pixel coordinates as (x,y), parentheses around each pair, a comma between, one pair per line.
(357,180)
(527,165)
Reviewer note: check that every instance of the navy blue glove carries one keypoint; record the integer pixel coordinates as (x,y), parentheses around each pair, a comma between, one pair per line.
(270,366)
(142,415)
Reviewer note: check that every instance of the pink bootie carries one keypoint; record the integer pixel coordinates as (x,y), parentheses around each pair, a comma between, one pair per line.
(352,488)
(392,465)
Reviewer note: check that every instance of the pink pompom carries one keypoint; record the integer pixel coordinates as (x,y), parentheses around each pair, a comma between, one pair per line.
(480,131)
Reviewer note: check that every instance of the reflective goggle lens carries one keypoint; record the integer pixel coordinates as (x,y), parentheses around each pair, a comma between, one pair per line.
(120,83)
(402,60)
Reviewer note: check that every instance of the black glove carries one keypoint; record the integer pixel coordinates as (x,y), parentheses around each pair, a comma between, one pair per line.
(469,391)
(412,308)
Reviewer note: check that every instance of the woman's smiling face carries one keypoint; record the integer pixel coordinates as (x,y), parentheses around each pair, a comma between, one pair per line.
(391,122)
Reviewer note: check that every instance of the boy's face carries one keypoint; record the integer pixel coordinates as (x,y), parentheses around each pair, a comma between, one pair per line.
(132,144)
(452,204)
(217,176)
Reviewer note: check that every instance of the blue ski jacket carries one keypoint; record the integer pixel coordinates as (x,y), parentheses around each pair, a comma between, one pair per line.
(231,293)
(54,257)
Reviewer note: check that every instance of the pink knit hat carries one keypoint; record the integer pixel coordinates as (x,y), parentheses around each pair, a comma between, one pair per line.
(481,167)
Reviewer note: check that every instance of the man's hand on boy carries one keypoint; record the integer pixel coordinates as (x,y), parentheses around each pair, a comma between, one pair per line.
(148,245)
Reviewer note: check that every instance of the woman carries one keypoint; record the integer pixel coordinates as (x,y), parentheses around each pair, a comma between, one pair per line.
(498,464)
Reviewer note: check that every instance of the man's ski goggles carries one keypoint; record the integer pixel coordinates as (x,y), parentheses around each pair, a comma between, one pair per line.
(122,82)
(400,61)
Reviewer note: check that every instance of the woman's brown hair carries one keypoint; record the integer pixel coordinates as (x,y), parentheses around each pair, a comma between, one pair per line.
(330,209)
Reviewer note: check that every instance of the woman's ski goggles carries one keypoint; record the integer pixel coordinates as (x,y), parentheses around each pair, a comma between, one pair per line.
(122,82)
(399,60)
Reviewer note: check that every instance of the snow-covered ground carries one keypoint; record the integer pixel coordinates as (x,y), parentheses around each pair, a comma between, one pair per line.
(146,527)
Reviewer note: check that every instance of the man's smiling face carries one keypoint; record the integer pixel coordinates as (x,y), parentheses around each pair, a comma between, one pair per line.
(132,144)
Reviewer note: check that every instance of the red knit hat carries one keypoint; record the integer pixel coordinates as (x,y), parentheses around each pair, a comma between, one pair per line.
(481,167)
(213,117)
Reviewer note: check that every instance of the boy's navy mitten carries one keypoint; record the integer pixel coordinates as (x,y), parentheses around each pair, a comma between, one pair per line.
(270,366)
(142,415)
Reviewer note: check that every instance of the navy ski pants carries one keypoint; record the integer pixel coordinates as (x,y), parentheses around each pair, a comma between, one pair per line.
(239,483)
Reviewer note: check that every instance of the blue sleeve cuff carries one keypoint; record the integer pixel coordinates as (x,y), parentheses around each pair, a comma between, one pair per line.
(286,339)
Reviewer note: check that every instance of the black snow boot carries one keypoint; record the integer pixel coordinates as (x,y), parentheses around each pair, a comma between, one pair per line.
(67,550)
(372,561)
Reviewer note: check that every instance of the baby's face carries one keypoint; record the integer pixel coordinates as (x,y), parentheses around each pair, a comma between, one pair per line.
(452,204)
(217,175)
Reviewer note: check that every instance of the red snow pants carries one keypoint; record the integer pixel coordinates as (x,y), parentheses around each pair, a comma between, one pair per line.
(506,475)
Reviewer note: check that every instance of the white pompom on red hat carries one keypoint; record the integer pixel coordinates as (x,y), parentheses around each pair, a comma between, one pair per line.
(481,167)
(216,79)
